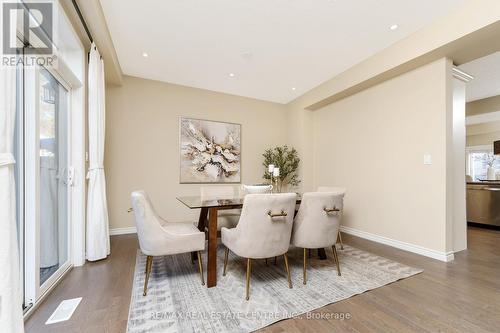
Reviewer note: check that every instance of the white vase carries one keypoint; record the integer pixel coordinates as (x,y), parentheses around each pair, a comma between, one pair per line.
(491,175)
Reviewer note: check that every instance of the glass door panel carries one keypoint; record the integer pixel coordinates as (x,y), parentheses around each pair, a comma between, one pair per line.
(53,134)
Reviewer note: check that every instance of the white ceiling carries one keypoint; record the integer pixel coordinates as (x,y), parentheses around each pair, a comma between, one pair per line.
(271,46)
(486,72)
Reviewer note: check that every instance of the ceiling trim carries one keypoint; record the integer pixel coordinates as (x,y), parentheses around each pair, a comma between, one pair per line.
(461,75)
(94,16)
(482,118)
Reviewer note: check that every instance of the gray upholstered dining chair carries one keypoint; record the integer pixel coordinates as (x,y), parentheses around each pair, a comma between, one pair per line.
(158,237)
(225,218)
(336,190)
(263,231)
(317,223)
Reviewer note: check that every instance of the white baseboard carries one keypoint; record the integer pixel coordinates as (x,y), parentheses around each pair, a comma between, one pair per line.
(442,256)
(122,231)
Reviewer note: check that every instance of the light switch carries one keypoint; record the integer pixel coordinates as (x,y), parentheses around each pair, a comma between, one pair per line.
(427,159)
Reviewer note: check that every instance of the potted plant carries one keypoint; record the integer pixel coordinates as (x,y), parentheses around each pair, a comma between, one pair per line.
(286,161)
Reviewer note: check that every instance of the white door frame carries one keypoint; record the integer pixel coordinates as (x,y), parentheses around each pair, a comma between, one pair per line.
(70,72)
(34,291)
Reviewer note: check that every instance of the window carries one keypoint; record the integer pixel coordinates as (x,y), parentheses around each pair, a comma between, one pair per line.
(478,160)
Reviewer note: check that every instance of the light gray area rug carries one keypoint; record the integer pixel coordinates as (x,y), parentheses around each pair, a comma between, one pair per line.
(177,302)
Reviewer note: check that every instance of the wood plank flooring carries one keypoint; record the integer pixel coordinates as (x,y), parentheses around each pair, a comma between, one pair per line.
(461,296)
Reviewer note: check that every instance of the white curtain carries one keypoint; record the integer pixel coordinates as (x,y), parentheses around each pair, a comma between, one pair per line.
(97,209)
(11,315)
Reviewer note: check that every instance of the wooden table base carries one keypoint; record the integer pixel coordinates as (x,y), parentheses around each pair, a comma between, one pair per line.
(322,254)
(212,249)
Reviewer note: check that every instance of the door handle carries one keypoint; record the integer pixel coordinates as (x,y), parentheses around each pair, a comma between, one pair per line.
(71,176)
(491,188)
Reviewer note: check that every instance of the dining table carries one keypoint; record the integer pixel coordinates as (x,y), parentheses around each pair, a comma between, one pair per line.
(207,222)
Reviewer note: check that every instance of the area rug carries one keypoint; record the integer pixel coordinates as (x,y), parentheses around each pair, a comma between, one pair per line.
(177,302)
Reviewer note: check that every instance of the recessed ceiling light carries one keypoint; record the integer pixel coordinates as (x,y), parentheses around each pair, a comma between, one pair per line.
(247,56)
(293,88)
(231,74)
(145,55)
(394,27)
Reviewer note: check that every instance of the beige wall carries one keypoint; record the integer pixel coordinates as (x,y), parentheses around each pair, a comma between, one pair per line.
(299,135)
(373,143)
(485,105)
(483,139)
(142,141)
(485,133)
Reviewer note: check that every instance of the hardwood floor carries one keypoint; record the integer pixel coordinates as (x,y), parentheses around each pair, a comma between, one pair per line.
(461,296)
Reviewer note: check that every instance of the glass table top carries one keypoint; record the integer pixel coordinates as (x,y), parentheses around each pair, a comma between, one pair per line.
(194,202)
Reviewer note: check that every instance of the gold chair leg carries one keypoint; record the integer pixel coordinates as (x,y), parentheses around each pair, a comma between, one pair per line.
(226,254)
(149,264)
(287,271)
(340,240)
(200,267)
(305,266)
(336,257)
(249,269)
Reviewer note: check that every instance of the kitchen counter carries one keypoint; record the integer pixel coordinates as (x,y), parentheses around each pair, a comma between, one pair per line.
(483,202)
(486,182)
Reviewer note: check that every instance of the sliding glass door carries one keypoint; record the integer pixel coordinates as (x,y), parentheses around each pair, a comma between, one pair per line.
(46,199)
(49,149)
(53,190)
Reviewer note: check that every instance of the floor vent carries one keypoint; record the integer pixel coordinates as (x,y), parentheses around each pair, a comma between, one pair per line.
(64,311)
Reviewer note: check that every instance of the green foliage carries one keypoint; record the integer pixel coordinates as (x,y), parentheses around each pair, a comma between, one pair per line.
(287,159)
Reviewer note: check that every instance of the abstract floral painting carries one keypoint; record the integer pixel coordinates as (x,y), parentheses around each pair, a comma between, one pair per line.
(210,151)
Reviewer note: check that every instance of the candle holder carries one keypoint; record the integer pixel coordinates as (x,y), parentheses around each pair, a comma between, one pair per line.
(276,174)
(270,169)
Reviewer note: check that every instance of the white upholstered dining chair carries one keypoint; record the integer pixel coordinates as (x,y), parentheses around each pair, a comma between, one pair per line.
(158,237)
(336,190)
(317,224)
(263,231)
(256,189)
(225,218)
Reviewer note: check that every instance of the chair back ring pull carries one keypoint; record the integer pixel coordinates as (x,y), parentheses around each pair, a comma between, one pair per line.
(271,215)
(330,210)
